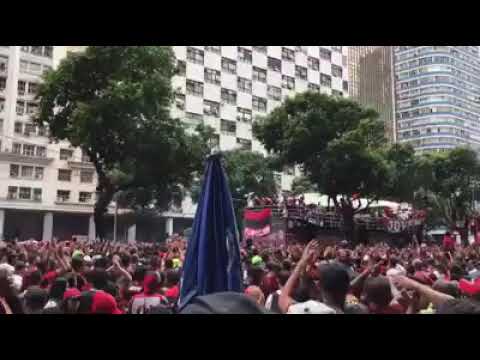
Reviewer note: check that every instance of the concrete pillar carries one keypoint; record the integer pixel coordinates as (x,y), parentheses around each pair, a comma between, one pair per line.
(169,226)
(91,229)
(132,234)
(2,224)
(47,226)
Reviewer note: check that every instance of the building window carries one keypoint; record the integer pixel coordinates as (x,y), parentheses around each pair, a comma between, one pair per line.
(63,195)
(214,49)
(287,54)
(244,144)
(259,74)
(1,129)
(211,108)
(84,197)
(20,107)
(337,48)
(337,93)
(66,154)
(244,115)
(244,55)
(85,157)
(34,68)
(325,54)
(21,87)
(325,80)
(259,104)
(25,193)
(244,85)
(344,60)
(30,129)
(32,88)
(261,49)
(228,127)
(345,85)
(274,64)
(274,93)
(2,105)
(41,151)
(212,76)
(3,83)
(32,108)
(336,70)
(313,63)
(48,51)
(229,96)
(301,72)
(180,101)
(86,176)
(18,127)
(64,175)
(37,50)
(17,148)
(288,82)
(28,150)
(313,87)
(38,173)
(14,171)
(27,172)
(181,68)
(229,65)
(3,64)
(37,194)
(12,193)
(195,55)
(194,88)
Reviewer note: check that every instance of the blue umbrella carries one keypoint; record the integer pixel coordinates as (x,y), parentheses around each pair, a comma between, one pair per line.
(212,262)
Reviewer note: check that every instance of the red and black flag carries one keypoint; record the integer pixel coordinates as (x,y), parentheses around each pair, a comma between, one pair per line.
(257,222)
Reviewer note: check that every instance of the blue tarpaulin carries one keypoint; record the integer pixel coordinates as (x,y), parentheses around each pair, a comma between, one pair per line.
(212,261)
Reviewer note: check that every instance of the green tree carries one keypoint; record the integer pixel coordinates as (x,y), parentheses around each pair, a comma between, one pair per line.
(446,183)
(302,185)
(114,102)
(339,145)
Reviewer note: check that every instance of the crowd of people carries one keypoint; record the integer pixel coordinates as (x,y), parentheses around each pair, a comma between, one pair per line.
(73,277)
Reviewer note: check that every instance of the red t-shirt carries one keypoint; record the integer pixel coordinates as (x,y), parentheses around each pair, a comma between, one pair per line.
(173,292)
(448,242)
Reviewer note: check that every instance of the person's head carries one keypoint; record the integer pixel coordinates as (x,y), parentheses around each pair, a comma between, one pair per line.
(283,276)
(393,261)
(255,274)
(78,264)
(447,287)
(98,278)
(377,292)
(460,306)
(169,264)
(35,300)
(125,260)
(58,288)
(20,268)
(99,262)
(34,278)
(334,283)
(172,277)
(255,293)
(152,282)
(417,264)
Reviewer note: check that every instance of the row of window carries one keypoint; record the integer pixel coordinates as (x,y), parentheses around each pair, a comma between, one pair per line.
(3,83)
(29,150)
(436,109)
(29,129)
(438,68)
(447,79)
(33,67)
(3,64)
(26,107)
(27,87)
(196,56)
(35,194)
(26,172)
(430,131)
(437,140)
(438,60)
(86,176)
(46,51)
(431,90)
(446,99)
(431,49)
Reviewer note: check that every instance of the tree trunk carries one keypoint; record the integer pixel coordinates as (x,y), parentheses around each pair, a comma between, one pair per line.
(348,223)
(105,192)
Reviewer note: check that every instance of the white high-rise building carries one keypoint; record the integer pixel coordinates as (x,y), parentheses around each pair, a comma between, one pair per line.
(48,189)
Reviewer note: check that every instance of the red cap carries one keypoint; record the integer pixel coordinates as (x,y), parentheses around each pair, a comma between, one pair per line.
(70,293)
(104,303)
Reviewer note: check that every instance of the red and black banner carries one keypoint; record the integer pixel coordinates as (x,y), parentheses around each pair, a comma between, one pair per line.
(257,223)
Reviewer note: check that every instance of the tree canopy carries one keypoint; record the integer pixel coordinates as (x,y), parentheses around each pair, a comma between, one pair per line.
(114,102)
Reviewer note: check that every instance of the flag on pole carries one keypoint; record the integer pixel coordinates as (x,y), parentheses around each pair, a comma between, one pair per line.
(212,261)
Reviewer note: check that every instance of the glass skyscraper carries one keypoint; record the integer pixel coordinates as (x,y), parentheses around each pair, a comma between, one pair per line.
(437,96)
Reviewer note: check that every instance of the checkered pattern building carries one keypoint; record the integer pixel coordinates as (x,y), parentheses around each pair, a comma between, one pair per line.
(227,87)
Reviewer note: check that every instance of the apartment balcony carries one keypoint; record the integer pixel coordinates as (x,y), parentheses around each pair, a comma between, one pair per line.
(75,204)
(15,198)
(81,165)
(6,155)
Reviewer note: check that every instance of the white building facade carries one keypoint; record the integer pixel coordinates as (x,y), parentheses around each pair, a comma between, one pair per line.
(225,87)
(437,93)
